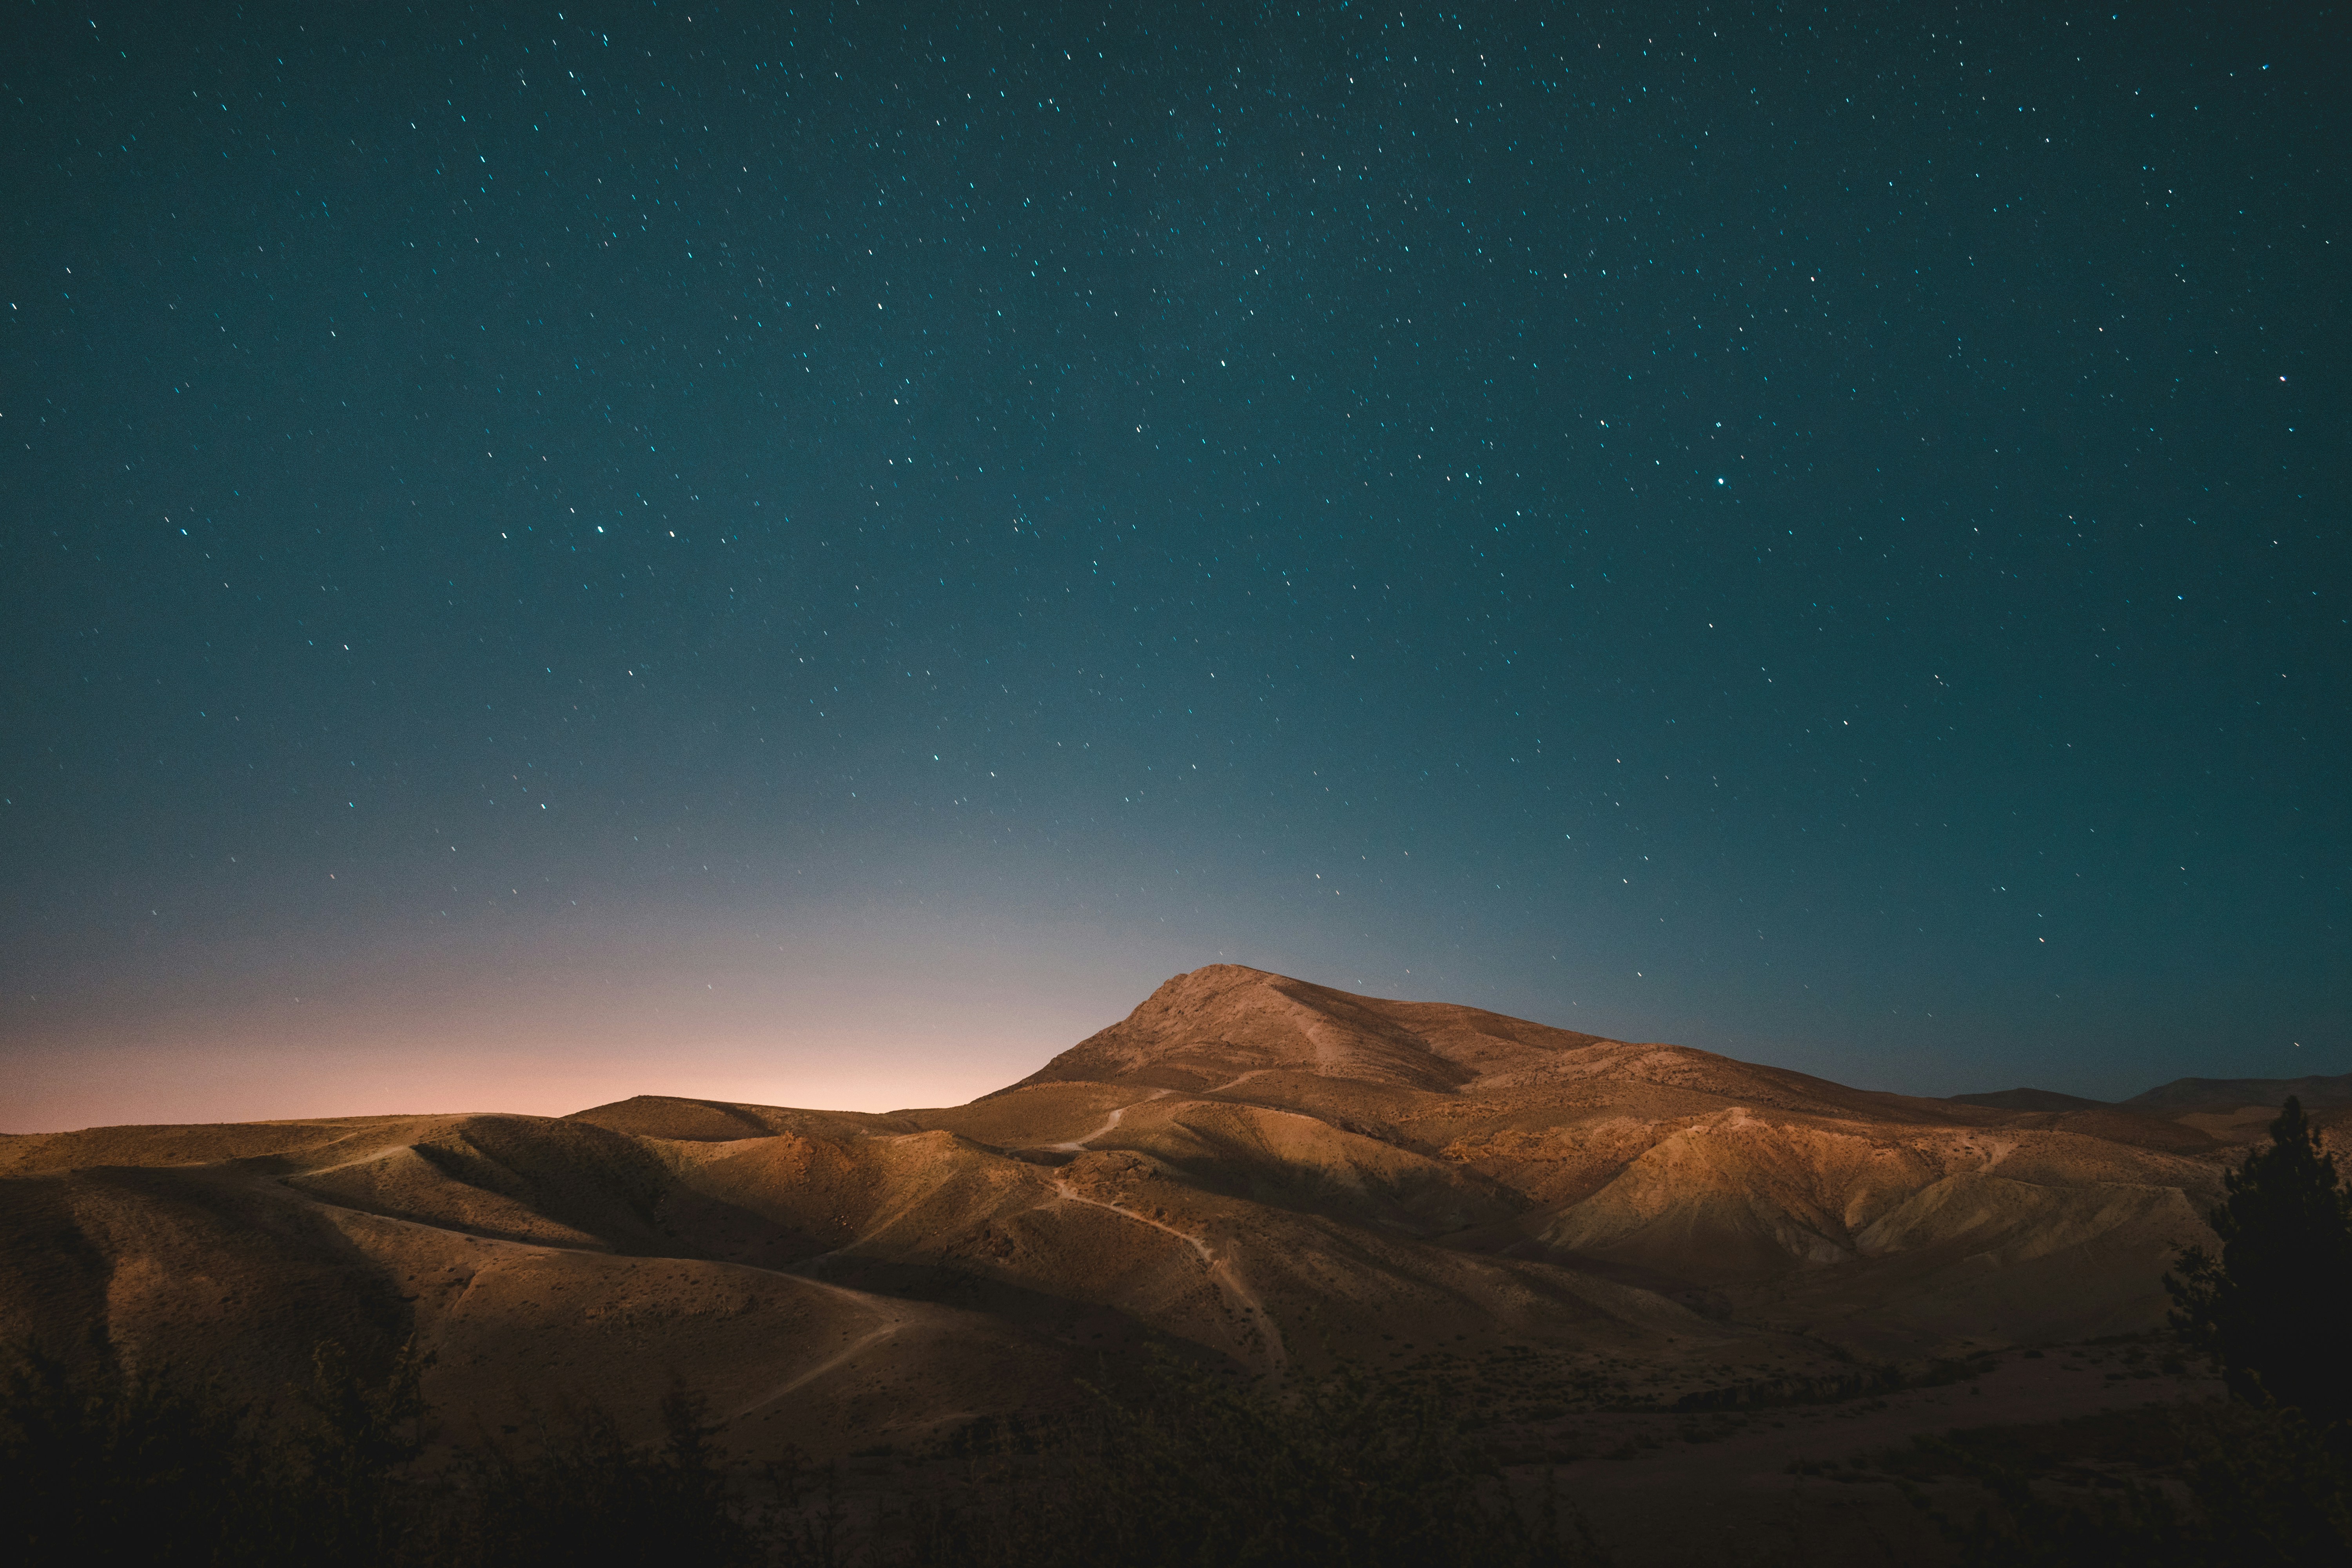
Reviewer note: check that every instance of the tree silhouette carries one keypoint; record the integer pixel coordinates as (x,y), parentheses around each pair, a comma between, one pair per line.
(2271,1308)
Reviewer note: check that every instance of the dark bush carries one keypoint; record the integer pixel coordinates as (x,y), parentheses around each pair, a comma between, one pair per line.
(2254,1488)
(578,1492)
(2270,1307)
(101,1466)
(1340,1470)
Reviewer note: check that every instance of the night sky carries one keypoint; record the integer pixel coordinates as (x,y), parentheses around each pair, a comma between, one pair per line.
(816,557)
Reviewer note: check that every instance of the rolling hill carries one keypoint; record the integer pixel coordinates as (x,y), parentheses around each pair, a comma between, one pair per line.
(1264,1173)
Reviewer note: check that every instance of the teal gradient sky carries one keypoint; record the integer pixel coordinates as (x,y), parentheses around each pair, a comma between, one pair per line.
(818,557)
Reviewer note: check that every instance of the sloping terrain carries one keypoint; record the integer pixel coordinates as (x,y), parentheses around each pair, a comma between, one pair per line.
(522,1253)
(1771,1200)
(1268,1172)
(2207,1095)
(2029,1099)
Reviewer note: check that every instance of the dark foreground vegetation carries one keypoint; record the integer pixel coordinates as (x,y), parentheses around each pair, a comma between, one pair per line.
(100,1468)
(2266,1482)
(2215,1484)
(100,1465)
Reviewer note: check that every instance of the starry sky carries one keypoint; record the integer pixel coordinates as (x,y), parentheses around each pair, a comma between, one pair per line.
(815,556)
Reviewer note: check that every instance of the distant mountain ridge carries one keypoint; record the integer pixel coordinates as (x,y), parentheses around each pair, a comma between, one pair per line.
(2216,1095)
(2182,1097)
(2029,1099)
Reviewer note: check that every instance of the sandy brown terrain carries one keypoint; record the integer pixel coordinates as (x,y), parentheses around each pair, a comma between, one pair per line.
(1267,1172)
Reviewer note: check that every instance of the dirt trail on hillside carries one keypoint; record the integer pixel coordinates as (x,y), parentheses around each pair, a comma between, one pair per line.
(1078,1146)
(1221,1271)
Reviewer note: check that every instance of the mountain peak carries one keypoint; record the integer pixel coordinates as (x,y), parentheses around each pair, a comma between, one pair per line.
(1209,1028)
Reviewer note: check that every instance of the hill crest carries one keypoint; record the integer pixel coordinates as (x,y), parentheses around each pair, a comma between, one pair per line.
(1215,1028)
(2217,1095)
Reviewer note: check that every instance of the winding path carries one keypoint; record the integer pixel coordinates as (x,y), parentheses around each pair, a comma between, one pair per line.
(1220,1270)
(894,1319)
(1078,1146)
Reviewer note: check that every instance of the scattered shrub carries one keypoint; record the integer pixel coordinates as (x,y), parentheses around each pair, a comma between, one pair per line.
(1337,1470)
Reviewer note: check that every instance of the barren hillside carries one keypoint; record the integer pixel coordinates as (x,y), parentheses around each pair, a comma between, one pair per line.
(1267,1171)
